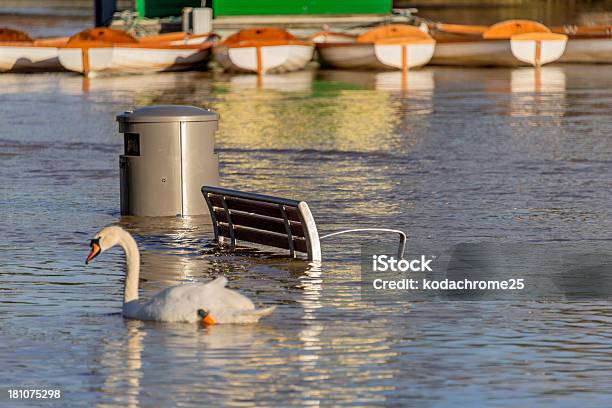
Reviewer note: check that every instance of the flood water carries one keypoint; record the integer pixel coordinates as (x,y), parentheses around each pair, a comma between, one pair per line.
(449,156)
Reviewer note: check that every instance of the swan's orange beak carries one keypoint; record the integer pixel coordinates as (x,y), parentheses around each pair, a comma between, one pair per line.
(209,320)
(95,250)
(206,317)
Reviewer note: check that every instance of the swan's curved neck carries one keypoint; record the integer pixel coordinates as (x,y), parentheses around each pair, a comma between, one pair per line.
(132,258)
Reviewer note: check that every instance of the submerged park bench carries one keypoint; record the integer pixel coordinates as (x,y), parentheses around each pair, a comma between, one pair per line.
(271,221)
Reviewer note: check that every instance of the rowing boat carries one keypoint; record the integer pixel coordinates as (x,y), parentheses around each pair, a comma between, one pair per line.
(263,50)
(587,44)
(20,53)
(105,51)
(508,43)
(388,47)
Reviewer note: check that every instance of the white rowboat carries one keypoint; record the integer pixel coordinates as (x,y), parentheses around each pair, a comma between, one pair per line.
(20,53)
(263,50)
(388,47)
(104,51)
(509,43)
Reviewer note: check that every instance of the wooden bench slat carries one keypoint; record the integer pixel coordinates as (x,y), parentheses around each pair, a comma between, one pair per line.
(263,237)
(255,207)
(260,222)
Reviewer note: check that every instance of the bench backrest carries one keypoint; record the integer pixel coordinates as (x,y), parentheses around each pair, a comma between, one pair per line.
(262,219)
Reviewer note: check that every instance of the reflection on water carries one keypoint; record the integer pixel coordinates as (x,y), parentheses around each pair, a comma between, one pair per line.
(171,243)
(121,360)
(449,155)
(414,83)
(300,81)
(538,92)
(538,80)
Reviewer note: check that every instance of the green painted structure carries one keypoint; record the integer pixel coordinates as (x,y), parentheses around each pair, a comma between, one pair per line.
(165,8)
(300,7)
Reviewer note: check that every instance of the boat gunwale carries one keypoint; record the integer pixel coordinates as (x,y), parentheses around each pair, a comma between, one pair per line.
(145,45)
(443,40)
(264,43)
(177,36)
(51,42)
(390,41)
(459,29)
(539,37)
(110,38)
(33,44)
(405,40)
(335,33)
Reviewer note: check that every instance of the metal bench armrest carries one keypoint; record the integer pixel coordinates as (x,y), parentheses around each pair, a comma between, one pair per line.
(402,236)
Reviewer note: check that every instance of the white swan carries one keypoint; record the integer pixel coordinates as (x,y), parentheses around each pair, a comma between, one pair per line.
(191,302)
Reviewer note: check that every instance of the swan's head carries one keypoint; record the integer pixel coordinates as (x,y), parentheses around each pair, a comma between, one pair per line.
(105,239)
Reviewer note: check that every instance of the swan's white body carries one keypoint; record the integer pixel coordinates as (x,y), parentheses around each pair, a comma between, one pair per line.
(177,303)
(181,304)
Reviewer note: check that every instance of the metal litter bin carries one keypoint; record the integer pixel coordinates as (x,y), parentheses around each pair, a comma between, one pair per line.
(169,155)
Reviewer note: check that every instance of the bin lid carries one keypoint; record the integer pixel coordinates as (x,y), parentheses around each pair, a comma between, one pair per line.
(168,113)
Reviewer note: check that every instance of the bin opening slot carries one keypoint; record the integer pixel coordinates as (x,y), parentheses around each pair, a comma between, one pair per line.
(132,144)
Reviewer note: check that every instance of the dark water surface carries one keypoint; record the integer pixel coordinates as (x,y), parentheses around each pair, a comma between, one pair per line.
(454,155)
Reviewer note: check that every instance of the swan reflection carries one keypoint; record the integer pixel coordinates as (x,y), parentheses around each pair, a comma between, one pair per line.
(121,361)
